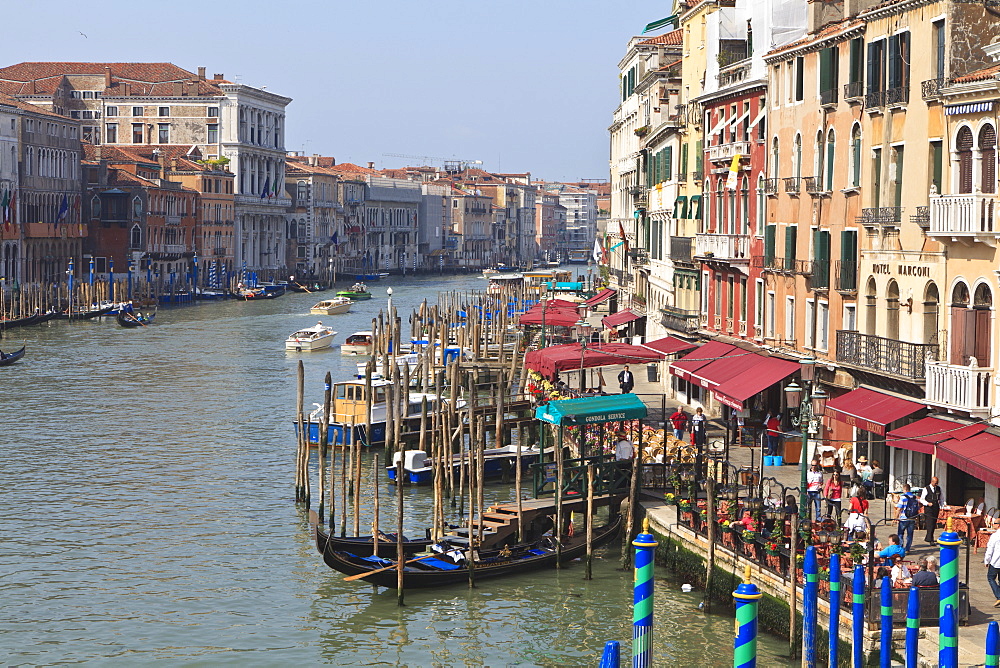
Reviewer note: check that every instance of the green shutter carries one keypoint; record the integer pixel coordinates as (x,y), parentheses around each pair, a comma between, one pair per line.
(769,235)
(790,237)
(824,69)
(684,158)
(937,164)
(699,154)
(656,168)
(668,163)
(848,260)
(857,59)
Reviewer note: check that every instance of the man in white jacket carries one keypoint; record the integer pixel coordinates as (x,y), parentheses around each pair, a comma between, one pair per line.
(992,561)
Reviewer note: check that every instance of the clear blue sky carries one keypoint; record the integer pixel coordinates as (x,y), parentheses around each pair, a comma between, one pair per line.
(522,86)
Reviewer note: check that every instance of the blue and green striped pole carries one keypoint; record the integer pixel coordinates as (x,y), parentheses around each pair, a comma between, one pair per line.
(810,595)
(642,601)
(834,608)
(948,541)
(992,645)
(948,653)
(745,644)
(912,627)
(885,639)
(858,615)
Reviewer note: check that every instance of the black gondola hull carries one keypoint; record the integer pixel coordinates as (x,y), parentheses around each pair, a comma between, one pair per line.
(9,358)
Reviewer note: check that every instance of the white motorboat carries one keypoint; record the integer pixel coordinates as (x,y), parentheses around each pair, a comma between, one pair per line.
(358,343)
(334,306)
(311,338)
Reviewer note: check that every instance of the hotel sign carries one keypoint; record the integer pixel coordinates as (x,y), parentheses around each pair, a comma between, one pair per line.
(861,423)
(916,270)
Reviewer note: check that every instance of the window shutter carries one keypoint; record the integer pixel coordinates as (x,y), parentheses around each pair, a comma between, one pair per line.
(668,166)
(963,333)
(937,164)
(873,67)
(857,59)
(684,158)
(964,145)
(824,70)
(981,345)
(988,152)
(895,69)
(790,238)
(904,59)
(699,154)
(769,235)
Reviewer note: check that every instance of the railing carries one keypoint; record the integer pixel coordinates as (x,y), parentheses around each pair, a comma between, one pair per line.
(854,90)
(679,320)
(958,387)
(846,274)
(770,186)
(722,246)
(819,279)
(814,184)
(610,477)
(680,249)
(788,263)
(218,251)
(679,117)
(963,215)
(793,184)
(883,215)
(696,175)
(828,96)
(176,249)
(887,356)
(875,99)
(802,267)
(734,73)
(931,89)
(897,96)
(727,151)
(922,217)
(682,177)
(173,220)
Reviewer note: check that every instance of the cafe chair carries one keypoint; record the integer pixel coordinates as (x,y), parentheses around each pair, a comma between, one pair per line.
(968,506)
(980,508)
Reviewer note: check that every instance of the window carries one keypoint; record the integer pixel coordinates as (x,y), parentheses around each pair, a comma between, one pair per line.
(857,66)
(876,66)
(963,145)
(818,162)
(823,326)
(939,54)
(743,299)
(163,133)
(95,207)
(789,318)
(829,63)
(770,233)
(856,156)
(897,176)
(797,157)
(876,177)
(775,165)
(111,111)
(718,295)
(137,111)
(111,133)
(136,208)
(91,134)
(758,307)
(988,159)
(831,145)
(810,324)
(850,317)
(937,164)
(137,133)
(771,315)
(75,94)
(88,95)
(791,233)
(899,61)
(88,114)
(213,112)
(799,78)
(163,112)
(74,114)
(213,133)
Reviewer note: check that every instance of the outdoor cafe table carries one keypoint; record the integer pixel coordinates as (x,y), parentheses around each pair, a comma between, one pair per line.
(961,521)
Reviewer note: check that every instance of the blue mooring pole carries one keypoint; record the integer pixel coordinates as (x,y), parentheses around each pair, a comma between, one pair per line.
(948,541)
(948,654)
(885,637)
(834,609)
(992,645)
(912,627)
(642,601)
(858,615)
(612,655)
(745,644)
(810,594)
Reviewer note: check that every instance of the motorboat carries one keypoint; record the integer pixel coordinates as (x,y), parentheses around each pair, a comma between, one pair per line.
(317,337)
(358,292)
(334,306)
(418,468)
(358,343)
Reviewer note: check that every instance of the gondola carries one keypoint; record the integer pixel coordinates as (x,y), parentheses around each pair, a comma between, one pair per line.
(7,359)
(92,313)
(134,319)
(32,319)
(362,545)
(435,570)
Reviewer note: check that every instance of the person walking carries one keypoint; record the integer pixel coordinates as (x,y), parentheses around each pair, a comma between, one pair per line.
(773,425)
(930,499)
(679,420)
(908,508)
(699,427)
(858,511)
(814,487)
(626,380)
(992,561)
(833,491)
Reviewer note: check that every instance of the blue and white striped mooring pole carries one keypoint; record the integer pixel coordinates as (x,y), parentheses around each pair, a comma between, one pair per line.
(912,627)
(642,602)
(858,615)
(885,638)
(745,643)
(948,541)
(834,609)
(810,595)
(992,645)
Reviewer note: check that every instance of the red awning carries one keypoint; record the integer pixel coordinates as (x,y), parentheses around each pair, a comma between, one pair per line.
(558,303)
(870,410)
(704,355)
(923,435)
(978,455)
(601,297)
(551,316)
(548,361)
(669,345)
(760,375)
(620,318)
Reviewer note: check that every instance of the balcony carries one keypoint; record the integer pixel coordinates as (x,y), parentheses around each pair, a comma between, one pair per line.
(819,278)
(972,215)
(174,249)
(218,252)
(875,100)
(854,91)
(793,185)
(922,217)
(828,96)
(682,177)
(173,220)
(727,151)
(878,354)
(770,186)
(883,215)
(733,74)
(963,388)
(727,247)
(931,89)
(679,117)
(680,320)
(680,249)
(814,186)
(897,97)
(696,175)
(639,257)
(846,276)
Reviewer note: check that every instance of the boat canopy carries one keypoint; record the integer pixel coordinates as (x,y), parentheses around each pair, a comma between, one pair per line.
(592,410)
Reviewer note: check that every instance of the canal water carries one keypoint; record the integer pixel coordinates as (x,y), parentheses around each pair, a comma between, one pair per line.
(146,514)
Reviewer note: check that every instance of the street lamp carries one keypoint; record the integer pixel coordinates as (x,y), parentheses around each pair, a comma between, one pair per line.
(811,402)
(583,329)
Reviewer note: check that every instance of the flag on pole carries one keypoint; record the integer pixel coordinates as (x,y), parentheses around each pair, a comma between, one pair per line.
(63,210)
(656,25)
(5,203)
(598,251)
(267,188)
(734,171)
(12,209)
(621,232)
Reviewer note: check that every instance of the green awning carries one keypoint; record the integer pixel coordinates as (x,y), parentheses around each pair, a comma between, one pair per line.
(681,207)
(696,207)
(592,410)
(656,25)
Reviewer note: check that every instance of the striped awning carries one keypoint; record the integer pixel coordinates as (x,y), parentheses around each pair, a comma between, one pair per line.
(973,108)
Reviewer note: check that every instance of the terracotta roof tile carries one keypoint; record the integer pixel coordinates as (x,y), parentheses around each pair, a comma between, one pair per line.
(824,32)
(674,37)
(978,75)
(11,101)
(351,168)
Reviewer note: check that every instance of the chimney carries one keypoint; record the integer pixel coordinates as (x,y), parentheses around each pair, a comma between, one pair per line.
(313,160)
(371,165)
(173,164)
(178,88)
(97,152)
(219,77)
(107,77)
(201,73)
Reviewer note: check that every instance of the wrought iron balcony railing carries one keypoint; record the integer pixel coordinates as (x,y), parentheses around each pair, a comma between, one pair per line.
(770,186)
(846,275)
(828,96)
(793,184)
(854,90)
(883,215)
(887,356)
(931,89)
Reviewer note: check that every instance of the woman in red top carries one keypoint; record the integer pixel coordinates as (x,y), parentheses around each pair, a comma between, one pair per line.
(833,490)
(859,508)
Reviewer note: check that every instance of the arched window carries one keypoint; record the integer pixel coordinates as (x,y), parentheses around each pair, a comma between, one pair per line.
(95,207)
(761,204)
(744,218)
(797,157)
(300,192)
(892,310)
(931,307)
(831,145)
(856,156)
(135,237)
(963,146)
(818,161)
(719,212)
(988,158)
(871,307)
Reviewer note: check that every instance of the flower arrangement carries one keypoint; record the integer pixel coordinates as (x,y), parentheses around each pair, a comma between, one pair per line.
(726,525)
(775,540)
(799,560)
(749,536)
(684,505)
(857,552)
(670,499)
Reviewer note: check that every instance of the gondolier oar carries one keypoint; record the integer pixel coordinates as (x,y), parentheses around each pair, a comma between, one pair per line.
(304,288)
(379,570)
(136,319)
